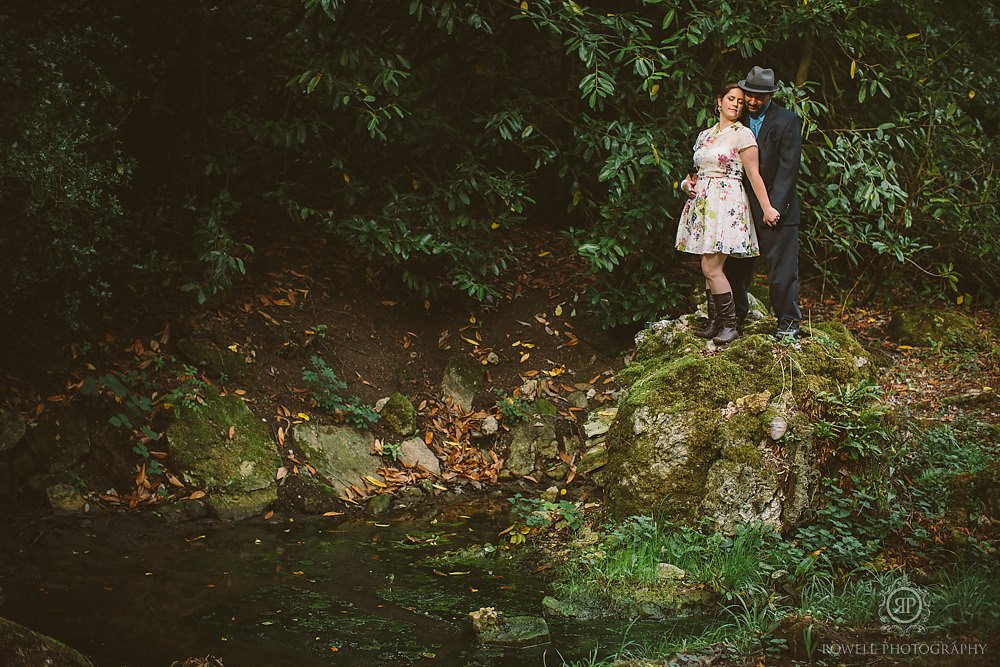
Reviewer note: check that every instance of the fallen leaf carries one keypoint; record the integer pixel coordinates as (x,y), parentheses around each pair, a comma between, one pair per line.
(196,495)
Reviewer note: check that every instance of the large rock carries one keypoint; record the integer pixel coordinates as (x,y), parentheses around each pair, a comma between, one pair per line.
(463,377)
(924,327)
(216,360)
(341,454)
(532,444)
(23,647)
(239,471)
(59,441)
(694,434)
(12,429)
(413,453)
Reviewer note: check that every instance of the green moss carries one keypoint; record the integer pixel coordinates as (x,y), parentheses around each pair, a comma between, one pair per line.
(200,447)
(927,327)
(682,413)
(400,414)
(216,361)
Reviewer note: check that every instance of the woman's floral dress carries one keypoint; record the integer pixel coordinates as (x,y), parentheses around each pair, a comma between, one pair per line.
(717,219)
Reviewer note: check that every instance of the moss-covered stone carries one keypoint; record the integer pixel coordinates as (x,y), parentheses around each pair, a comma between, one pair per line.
(240,506)
(924,327)
(57,442)
(307,494)
(692,437)
(400,415)
(23,647)
(216,361)
(12,429)
(201,449)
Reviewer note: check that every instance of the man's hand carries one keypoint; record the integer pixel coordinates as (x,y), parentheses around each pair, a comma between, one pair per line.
(771,216)
(687,185)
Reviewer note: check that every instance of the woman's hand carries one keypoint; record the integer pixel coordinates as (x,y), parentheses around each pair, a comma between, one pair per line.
(771,216)
(687,185)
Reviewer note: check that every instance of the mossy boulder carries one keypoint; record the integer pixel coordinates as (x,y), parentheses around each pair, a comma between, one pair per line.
(399,414)
(23,647)
(695,435)
(215,360)
(224,448)
(12,429)
(926,327)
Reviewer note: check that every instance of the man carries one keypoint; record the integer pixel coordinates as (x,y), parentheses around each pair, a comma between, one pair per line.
(779,142)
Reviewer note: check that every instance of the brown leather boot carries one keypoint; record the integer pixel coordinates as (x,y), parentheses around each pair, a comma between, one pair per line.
(725,308)
(712,327)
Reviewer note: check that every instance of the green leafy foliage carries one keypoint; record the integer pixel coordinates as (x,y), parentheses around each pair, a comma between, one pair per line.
(853,420)
(325,392)
(434,140)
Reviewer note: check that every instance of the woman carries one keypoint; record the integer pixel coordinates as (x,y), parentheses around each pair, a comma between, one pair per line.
(716,220)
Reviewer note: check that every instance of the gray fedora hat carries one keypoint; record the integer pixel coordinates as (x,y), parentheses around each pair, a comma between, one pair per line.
(759,80)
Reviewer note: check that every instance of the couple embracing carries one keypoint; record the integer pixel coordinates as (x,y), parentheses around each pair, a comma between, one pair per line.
(755,143)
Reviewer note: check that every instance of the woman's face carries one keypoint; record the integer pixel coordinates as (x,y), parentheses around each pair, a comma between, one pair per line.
(731,104)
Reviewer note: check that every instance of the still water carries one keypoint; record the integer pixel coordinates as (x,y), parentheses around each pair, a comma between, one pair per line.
(289,591)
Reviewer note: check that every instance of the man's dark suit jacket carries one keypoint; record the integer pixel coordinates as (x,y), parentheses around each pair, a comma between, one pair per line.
(779,144)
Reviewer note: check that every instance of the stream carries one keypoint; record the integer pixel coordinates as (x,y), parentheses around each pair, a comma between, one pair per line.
(291,591)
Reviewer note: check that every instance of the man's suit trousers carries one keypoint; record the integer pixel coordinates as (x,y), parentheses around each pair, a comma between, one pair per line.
(779,247)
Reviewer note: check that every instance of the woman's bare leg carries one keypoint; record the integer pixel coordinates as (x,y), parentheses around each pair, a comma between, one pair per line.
(715,277)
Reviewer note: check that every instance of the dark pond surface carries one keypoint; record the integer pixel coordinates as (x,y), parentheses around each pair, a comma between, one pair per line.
(288,592)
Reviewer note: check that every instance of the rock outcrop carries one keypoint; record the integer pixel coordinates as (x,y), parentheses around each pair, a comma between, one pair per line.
(719,433)
(225,449)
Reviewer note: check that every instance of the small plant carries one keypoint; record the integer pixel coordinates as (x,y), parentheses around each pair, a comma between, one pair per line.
(189,394)
(392,450)
(540,513)
(513,408)
(853,420)
(324,389)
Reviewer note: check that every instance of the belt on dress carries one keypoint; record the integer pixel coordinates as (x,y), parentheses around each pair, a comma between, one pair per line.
(723,178)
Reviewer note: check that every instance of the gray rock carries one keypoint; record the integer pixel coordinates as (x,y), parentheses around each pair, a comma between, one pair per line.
(379,504)
(669,572)
(400,415)
(413,453)
(65,499)
(490,425)
(531,442)
(599,422)
(493,627)
(578,399)
(463,377)
(12,429)
(23,647)
(342,454)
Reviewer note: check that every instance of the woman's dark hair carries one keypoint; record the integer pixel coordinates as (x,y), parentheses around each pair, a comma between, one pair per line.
(723,89)
(726,87)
